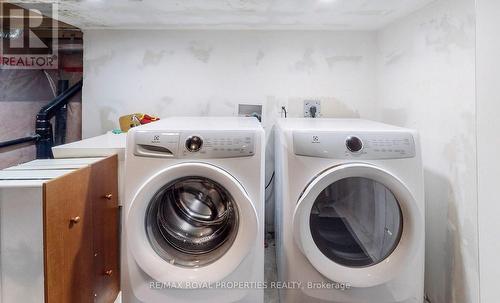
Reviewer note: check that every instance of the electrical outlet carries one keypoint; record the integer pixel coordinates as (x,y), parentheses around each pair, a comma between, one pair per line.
(250,110)
(312,108)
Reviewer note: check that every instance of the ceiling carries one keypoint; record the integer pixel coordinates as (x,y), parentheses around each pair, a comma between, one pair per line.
(234,14)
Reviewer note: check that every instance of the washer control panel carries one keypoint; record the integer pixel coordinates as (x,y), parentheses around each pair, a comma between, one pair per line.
(197,145)
(354,145)
(218,144)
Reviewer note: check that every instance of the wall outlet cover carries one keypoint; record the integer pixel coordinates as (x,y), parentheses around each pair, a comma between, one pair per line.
(312,108)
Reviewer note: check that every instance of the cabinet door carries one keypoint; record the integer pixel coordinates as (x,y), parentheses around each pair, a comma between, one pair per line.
(106,219)
(68,250)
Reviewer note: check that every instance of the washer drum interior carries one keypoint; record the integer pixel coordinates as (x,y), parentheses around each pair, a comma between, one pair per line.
(192,221)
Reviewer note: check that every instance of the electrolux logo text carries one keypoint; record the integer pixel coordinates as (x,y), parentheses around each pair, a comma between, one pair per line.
(29,35)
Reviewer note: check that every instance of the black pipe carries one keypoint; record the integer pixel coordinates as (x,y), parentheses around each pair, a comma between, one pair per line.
(61,116)
(60,100)
(13,142)
(44,127)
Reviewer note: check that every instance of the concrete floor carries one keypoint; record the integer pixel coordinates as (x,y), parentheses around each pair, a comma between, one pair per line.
(270,271)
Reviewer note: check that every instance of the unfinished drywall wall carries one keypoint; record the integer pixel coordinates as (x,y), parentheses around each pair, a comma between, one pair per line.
(207,73)
(488,141)
(172,73)
(426,81)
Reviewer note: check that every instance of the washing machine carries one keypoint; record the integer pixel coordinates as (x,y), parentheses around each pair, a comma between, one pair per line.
(349,212)
(194,211)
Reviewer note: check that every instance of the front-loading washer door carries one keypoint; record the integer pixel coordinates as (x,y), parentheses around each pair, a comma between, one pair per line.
(358,224)
(192,222)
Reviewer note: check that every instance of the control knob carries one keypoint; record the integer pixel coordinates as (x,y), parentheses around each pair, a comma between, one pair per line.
(354,144)
(194,143)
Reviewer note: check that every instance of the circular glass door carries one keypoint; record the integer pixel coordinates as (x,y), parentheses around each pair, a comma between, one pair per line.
(192,221)
(356,222)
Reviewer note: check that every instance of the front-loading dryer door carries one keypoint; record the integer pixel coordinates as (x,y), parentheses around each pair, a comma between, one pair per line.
(358,224)
(191,225)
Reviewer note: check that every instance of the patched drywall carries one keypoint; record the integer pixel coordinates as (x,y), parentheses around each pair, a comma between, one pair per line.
(425,76)
(172,73)
(207,73)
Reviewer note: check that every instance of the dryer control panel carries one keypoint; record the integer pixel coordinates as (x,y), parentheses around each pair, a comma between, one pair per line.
(194,145)
(354,145)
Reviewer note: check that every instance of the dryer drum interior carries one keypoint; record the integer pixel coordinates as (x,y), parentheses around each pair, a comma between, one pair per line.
(192,221)
(356,222)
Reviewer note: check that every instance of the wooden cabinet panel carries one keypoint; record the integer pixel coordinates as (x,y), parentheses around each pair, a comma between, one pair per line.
(106,220)
(81,235)
(68,238)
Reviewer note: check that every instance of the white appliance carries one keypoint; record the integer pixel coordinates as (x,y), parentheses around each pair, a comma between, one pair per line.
(99,146)
(21,234)
(58,164)
(349,212)
(194,211)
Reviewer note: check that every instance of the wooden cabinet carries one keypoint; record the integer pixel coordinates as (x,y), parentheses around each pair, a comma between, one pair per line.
(81,235)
